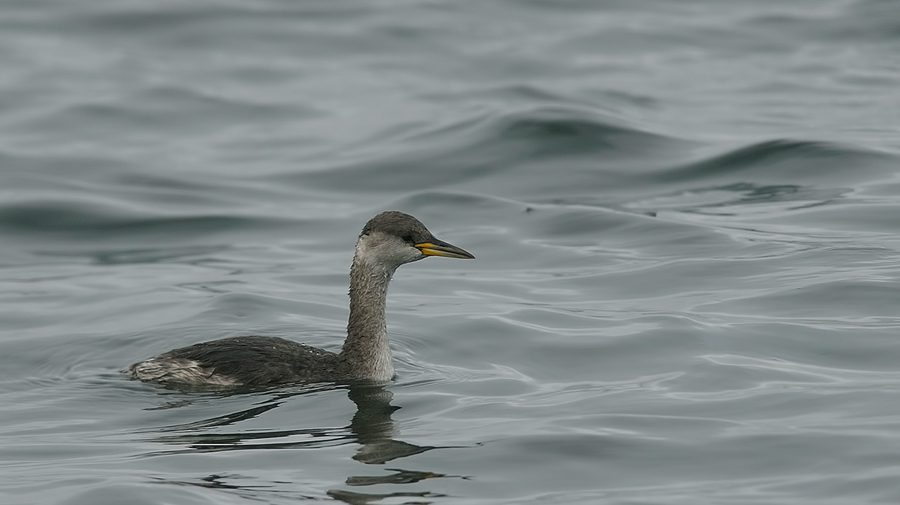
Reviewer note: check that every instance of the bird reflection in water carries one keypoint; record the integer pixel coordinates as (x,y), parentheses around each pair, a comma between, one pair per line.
(371,427)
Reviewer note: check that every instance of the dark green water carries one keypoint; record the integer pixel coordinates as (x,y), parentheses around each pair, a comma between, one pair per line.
(686,217)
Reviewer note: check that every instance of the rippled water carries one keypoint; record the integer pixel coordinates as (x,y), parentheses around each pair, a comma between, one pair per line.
(685,216)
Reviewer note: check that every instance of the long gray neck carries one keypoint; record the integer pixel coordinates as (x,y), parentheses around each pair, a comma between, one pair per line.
(367,351)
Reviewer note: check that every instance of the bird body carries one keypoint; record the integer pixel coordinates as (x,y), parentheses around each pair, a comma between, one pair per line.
(387,241)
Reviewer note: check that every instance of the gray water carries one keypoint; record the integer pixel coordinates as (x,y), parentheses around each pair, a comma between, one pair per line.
(686,217)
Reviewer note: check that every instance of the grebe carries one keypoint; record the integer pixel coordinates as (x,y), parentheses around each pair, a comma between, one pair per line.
(387,241)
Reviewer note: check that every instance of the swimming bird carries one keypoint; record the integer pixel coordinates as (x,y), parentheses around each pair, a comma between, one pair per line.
(387,241)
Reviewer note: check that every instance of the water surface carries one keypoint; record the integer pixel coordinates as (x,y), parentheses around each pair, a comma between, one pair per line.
(684,214)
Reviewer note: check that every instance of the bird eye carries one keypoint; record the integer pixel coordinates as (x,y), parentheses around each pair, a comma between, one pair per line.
(408,238)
